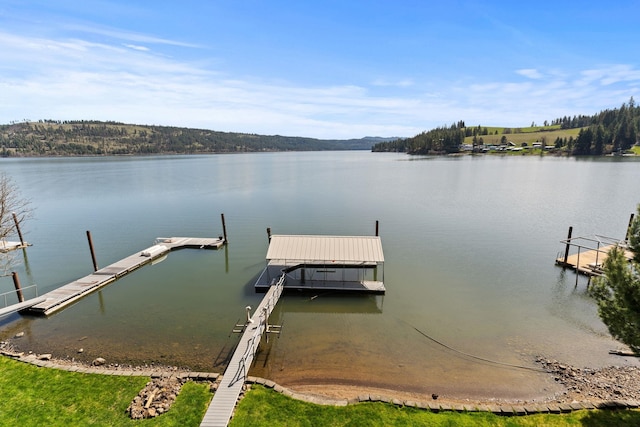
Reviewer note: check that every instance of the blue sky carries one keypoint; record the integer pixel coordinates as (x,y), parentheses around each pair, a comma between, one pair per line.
(324,69)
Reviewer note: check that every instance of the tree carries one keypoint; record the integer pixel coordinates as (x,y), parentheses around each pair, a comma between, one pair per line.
(12,208)
(618,291)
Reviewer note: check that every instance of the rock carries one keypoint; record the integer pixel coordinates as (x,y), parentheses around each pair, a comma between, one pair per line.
(19,335)
(605,384)
(98,362)
(81,350)
(155,398)
(44,357)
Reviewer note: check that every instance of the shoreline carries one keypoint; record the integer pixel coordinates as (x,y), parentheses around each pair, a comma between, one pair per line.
(586,389)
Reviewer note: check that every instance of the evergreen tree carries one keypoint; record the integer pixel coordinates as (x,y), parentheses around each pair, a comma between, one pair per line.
(618,292)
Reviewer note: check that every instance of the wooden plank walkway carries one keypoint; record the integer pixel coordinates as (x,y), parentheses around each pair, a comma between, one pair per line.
(589,261)
(226,396)
(66,295)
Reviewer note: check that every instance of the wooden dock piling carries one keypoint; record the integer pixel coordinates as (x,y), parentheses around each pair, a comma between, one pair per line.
(626,237)
(93,254)
(15,220)
(377,228)
(224,229)
(566,250)
(16,283)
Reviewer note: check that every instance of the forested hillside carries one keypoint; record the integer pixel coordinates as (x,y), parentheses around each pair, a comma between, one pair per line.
(610,131)
(81,138)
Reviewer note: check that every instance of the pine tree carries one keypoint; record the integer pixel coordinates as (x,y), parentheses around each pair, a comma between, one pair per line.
(618,292)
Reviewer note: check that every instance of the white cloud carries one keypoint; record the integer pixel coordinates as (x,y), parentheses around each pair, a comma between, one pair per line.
(136,47)
(78,79)
(126,35)
(531,73)
(393,83)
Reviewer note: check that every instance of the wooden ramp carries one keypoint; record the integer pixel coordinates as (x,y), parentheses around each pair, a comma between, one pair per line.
(66,295)
(226,396)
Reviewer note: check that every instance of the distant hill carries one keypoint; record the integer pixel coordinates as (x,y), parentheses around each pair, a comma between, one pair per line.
(89,138)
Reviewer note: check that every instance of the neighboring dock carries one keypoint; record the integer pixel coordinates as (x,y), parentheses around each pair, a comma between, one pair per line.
(66,295)
(589,261)
(586,255)
(6,246)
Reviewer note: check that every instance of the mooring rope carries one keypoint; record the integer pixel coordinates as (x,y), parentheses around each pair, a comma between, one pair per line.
(495,362)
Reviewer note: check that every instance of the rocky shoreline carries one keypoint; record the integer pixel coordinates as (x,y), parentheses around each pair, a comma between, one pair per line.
(604,384)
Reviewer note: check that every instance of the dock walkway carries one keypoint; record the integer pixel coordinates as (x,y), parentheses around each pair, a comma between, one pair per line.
(226,396)
(68,294)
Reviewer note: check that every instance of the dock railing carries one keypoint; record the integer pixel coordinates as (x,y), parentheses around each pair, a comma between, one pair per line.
(590,256)
(6,294)
(264,310)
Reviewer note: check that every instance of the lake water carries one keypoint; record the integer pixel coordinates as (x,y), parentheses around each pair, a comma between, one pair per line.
(469,242)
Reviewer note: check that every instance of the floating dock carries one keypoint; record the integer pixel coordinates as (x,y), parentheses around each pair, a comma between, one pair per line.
(325,263)
(6,246)
(66,295)
(586,255)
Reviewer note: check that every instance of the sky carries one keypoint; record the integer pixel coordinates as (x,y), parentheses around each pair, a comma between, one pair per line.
(333,69)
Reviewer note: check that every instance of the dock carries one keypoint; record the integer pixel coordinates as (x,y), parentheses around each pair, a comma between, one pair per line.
(340,263)
(68,294)
(325,263)
(20,306)
(6,246)
(589,253)
(226,396)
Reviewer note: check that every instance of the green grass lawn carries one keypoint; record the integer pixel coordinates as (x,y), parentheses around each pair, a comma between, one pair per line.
(32,396)
(264,407)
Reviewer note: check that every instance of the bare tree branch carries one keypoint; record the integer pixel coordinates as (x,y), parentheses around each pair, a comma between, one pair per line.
(11,203)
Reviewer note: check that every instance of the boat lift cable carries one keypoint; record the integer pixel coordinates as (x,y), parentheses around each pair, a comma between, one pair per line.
(494,362)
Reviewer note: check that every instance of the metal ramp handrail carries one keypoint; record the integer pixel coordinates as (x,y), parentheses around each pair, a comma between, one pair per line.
(250,351)
(5,294)
(224,400)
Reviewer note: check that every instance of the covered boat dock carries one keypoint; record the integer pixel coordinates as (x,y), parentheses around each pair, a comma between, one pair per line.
(330,263)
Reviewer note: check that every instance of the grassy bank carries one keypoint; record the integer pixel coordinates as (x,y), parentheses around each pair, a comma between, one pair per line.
(32,396)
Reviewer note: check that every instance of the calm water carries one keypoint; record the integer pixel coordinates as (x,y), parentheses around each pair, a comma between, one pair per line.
(469,243)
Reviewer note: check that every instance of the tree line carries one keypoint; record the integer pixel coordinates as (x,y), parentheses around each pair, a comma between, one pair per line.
(83,137)
(610,131)
(441,140)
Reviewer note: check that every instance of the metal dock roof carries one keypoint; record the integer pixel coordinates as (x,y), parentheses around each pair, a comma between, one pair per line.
(335,249)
